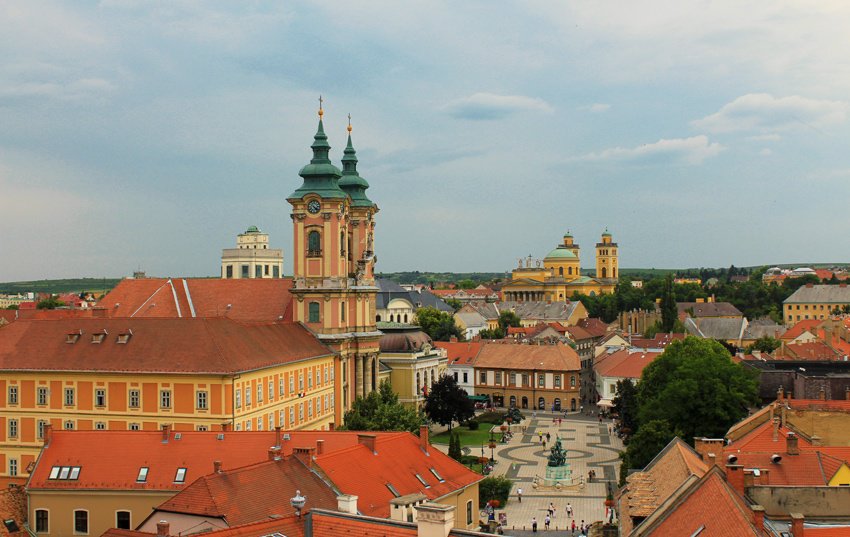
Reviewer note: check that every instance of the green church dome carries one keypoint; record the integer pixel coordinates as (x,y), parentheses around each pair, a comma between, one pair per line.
(559,253)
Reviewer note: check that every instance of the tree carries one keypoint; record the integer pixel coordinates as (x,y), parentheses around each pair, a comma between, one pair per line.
(669,311)
(626,405)
(50,304)
(765,344)
(12,307)
(494,488)
(454,446)
(454,303)
(645,445)
(447,402)
(381,411)
(495,333)
(508,318)
(437,324)
(696,387)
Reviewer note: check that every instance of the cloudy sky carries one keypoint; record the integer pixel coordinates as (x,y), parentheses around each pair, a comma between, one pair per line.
(148,134)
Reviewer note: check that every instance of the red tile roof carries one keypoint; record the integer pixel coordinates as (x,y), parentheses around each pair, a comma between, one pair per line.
(660,341)
(397,460)
(815,351)
(241,496)
(333,524)
(625,363)
(460,352)
(240,299)
(577,333)
(215,345)
(808,468)
(808,325)
(596,327)
(290,526)
(529,357)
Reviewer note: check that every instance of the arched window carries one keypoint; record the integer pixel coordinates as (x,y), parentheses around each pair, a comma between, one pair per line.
(314,243)
(560,271)
(604,272)
(569,271)
(418,384)
(342,244)
(513,401)
(391,317)
(613,272)
(541,403)
(405,317)
(377,318)
(313,312)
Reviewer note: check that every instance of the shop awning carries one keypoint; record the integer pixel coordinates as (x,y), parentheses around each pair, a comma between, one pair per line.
(606,403)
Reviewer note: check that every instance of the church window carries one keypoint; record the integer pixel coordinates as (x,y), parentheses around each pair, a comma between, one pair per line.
(405,317)
(342,312)
(342,242)
(267,270)
(313,314)
(314,244)
(377,318)
(560,271)
(570,271)
(604,272)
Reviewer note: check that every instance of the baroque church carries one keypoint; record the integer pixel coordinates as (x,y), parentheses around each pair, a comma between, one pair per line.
(558,276)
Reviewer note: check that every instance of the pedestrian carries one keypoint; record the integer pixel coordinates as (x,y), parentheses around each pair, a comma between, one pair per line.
(573,530)
(551,509)
(546,522)
(519,494)
(570,510)
(540,436)
(548,437)
(534,524)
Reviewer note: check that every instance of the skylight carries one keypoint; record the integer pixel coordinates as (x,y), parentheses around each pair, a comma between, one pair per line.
(393,490)
(440,479)
(419,477)
(180,476)
(64,472)
(143,475)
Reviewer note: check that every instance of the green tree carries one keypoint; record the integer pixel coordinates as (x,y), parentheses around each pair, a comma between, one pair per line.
(50,304)
(447,402)
(454,446)
(12,307)
(454,303)
(645,445)
(466,284)
(696,387)
(669,311)
(494,488)
(508,318)
(626,405)
(381,411)
(494,333)
(438,324)
(765,344)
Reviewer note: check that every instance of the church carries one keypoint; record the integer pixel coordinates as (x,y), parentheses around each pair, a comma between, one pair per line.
(558,276)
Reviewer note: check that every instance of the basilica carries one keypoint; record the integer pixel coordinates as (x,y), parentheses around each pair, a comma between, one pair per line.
(558,275)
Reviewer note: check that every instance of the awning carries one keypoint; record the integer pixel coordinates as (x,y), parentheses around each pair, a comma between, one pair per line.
(605,403)
(480,398)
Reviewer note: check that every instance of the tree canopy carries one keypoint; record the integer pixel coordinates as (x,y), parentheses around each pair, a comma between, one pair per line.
(765,344)
(438,324)
(696,388)
(508,318)
(50,304)
(626,405)
(447,402)
(381,411)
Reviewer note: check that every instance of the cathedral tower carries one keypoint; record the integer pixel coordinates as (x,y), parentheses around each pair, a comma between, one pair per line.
(606,257)
(333,282)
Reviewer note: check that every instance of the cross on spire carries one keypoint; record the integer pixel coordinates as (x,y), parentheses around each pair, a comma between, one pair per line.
(349,122)
(320,106)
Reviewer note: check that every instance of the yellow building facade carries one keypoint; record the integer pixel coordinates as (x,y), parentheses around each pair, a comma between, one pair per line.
(557,277)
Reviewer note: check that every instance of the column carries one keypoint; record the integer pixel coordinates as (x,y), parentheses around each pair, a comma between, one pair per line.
(368,374)
(358,375)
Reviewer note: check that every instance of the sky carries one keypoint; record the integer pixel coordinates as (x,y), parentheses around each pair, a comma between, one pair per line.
(147,135)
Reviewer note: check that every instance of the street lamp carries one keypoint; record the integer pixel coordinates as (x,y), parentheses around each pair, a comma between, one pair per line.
(492,448)
(298,502)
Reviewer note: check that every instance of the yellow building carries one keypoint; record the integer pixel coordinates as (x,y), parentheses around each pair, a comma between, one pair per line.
(252,257)
(558,276)
(414,363)
(815,302)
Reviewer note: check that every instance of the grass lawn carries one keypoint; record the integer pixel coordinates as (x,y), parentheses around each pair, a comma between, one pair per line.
(469,438)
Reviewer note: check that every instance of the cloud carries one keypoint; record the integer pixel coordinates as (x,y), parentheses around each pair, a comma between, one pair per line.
(764,112)
(691,150)
(484,106)
(766,152)
(595,108)
(764,138)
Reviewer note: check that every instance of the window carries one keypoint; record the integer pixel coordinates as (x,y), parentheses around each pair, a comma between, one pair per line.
(69,425)
(525,379)
(13,395)
(572,381)
(301,412)
(393,490)
(122,520)
(469,506)
(301,381)
(135,398)
(42,521)
(13,467)
(40,428)
(203,428)
(271,421)
(309,381)
(69,396)
(557,379)
(244,271)
(238,398)
(259,392)
(100,426)
(260,423)
(267,270)
(165,398)
(541,380)
(100,397)
(314,244)
(313,313)
(440,479)
(201,400)
(291,416)
(81,521)
(13,428)
(229,271)
(280,386)
(41,396)
(342,312)
(512,379)
(326,402)
(465,377)
(248,425)
(180,476)
(276,271)
(326,374)
(271,390)
(291,383)
(498,378)
(482,377)
(134,427)
(310,408)
(247,396)
(318,376)
(258,271)
(421,480)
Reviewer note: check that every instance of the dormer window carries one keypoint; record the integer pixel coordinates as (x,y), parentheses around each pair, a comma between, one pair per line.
(72,337)
(64,472)
(98,337)
(124,337)
(143,475)
(180,476)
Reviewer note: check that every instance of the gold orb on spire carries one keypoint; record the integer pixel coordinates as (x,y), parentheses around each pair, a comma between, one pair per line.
(321,112)
(349,122)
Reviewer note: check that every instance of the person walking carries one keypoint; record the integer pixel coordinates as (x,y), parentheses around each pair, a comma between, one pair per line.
(551,509)
(519,494)
(546,522)
(548,437)
(573,530)
(534,524)
(569,510)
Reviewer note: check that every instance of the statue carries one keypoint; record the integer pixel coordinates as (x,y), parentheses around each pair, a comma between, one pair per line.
(557,455)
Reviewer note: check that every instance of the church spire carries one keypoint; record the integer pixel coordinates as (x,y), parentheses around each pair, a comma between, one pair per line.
(351,182)
(320,176)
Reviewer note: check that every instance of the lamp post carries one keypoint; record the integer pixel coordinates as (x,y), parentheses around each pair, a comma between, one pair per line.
(297,502)
(492,448)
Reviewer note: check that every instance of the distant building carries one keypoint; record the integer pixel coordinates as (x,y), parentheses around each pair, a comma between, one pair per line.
(395,304)
(815,302)
(414,363)
(252,257)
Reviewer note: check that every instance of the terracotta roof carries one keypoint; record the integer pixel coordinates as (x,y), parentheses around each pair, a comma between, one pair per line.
(660,341)
(595,326)
(816,351)
(86,313)
(624,363)
(396,461)
(290,526)
(708,508)
(216,345)
(761,439)
(530,357)
(460,352)
(577,333)
(808,325)
(808,468)
(241,496)
(333,524)
(240,299)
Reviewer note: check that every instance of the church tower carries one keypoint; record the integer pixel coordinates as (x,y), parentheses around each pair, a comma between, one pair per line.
(333,283)
(606,257)
(570,243)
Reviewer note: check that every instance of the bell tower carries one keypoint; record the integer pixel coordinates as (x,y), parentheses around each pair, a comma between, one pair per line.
(606,257)
(333,283)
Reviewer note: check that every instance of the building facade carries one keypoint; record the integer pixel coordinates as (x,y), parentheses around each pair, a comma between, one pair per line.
(252,257)
(815,302)
(414,363)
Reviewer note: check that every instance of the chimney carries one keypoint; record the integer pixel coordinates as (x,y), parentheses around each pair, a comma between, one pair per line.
(305,455)
(48,433)
(776,429)
(274,453)
(162,528)
(709,448)
(347,503)
(434,520)
(453,339)
(797,525)
(749,479)
(320,447)
(735,477)
(367,440)
(758,517)
(791,441)
(764,478)
(423,438)
(217,467)
(822,394)
(165,433)
(277,435)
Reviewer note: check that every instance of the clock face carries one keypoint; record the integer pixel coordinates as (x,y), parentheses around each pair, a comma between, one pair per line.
(314,207)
